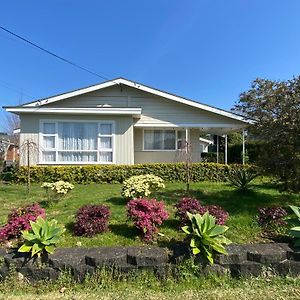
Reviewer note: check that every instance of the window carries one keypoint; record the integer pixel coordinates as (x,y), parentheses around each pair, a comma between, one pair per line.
(164,139)
(181,139)
(77,142)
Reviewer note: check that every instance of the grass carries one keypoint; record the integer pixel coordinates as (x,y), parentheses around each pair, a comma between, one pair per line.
(147,286)
(242,208)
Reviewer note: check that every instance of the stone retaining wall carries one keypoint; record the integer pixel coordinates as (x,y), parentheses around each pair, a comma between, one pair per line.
(242,260)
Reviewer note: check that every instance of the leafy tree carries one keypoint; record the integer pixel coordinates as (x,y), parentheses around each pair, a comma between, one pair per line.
(275,105)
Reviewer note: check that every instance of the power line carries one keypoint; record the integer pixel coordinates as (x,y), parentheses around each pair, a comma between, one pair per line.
(53,54)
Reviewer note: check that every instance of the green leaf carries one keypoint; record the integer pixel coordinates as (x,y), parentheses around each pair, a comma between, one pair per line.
(217,230)
(50,249)
(186,229)
(296,210)
(25,248)
(196,251)
(36,249)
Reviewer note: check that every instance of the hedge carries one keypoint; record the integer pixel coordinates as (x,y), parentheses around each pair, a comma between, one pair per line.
(171,172)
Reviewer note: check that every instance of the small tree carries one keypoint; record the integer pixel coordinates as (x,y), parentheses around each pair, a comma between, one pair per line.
(28,150)
(275,105)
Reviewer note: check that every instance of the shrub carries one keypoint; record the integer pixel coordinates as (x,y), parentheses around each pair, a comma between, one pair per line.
(42,238)
(147,215)
(171,172)
(242,178)
(57,190)
(271,219)
(91,219)
(19,219)
(185,205)
(193,206)
(141,186)
(205,236)
(216,211)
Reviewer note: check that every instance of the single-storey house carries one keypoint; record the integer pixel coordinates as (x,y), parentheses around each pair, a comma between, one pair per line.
(119,122)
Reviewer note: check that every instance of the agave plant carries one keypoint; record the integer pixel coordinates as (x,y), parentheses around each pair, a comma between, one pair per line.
(241,178)
(206,237)
(42,238)
(295,222)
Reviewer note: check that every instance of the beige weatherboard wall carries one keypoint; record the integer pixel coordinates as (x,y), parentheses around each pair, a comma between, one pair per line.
(133,108)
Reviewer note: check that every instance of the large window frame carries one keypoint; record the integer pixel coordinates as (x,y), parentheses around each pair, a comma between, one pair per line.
(177,139)
(56,149)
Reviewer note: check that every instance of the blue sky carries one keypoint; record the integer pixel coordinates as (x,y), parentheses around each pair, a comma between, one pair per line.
(204,50)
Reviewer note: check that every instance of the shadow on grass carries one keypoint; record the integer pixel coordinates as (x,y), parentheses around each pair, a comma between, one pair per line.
(117,201)
(233,201)
(171,223)
(70,226)
(124,230)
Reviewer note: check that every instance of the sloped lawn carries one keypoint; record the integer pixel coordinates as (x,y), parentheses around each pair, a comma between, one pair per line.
(242,208)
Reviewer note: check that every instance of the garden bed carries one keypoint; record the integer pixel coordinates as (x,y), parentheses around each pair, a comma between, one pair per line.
(242,209)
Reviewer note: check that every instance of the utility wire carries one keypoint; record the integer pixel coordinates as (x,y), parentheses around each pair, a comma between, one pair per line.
(52,54)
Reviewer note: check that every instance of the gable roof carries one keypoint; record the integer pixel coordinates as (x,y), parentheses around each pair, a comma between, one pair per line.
(133,84)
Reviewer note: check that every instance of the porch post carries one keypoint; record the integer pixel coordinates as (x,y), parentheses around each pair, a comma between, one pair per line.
(217,149)
(243,152)
(226,152)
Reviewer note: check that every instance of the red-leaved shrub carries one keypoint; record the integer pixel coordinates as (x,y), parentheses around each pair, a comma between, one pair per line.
(218,212)
(271,219)
(193,206)
(19,219)
(185,205)
(147,215)
(91,219)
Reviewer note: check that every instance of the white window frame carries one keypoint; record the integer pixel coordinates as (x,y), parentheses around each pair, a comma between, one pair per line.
(163,150)
(57,150)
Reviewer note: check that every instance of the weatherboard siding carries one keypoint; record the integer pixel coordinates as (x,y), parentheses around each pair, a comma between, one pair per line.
(155,110)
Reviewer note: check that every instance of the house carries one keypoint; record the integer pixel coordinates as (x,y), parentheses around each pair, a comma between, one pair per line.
(204,143)
(119,122)
(9,150)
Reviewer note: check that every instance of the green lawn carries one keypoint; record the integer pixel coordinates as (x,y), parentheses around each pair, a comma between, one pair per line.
(145,286)
(241,207)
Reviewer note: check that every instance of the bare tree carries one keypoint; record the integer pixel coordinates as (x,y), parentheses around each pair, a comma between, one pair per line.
(28,150)
(10,122)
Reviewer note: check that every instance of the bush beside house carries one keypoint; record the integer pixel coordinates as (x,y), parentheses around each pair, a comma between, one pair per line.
(170,172)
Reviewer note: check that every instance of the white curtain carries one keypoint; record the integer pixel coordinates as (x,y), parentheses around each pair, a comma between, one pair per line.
(77,156)
(105,143)
(49,142)
(159,139)
(48,156)
(77,136)
(105,157)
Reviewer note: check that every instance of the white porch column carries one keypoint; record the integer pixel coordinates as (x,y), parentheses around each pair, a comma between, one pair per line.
(243,151)
(226,152)
(217,149)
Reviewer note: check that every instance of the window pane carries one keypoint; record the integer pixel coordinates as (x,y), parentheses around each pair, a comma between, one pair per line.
(77,136)
(49,142)
(49,128)
(105,157)
(169,140)
(77,156)
(105,129)
(181,141)
(105,143)
(48,156)
(148,139)
(158,139)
